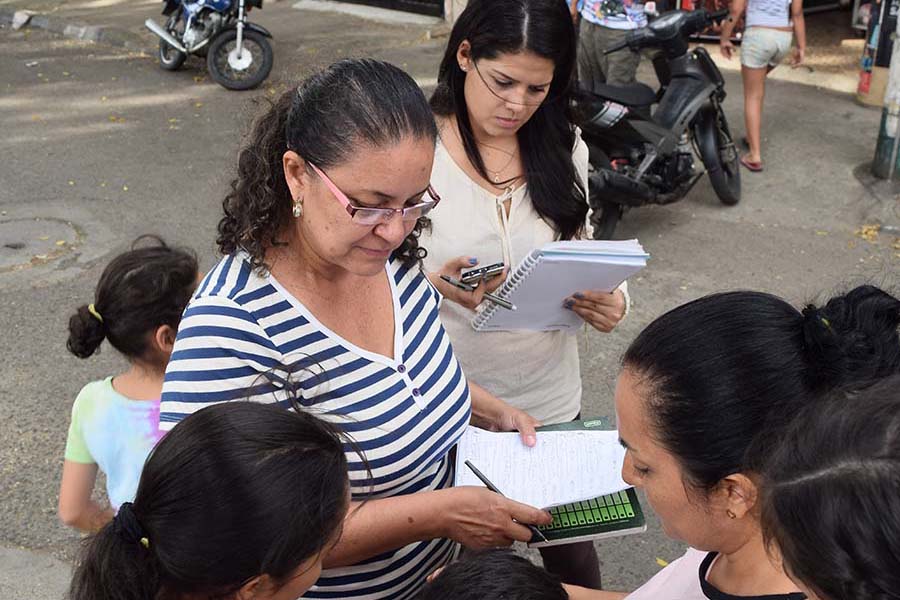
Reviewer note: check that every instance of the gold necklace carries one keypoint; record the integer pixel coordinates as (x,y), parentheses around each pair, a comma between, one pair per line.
(495,175)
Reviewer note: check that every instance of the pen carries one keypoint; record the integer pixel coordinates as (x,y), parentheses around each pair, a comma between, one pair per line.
(494,489)
(469,288)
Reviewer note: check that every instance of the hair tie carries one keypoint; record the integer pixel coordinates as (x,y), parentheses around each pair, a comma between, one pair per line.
(94,313)
(125,524)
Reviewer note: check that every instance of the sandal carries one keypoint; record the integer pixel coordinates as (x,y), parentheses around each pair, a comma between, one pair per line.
(752,165)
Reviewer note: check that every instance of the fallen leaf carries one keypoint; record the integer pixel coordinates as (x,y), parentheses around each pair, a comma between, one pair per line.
(821,233)
(124,188)
(173,120)
(102,184)
(868,232)
(60,242)
(66,73)
(198,104)
(851,244)
(44,238)
(114,78)
(896,244)
(71,182)
(661,562)
(103,98)
(199,78)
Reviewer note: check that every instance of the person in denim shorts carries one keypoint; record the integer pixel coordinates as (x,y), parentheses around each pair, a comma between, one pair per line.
(770,27)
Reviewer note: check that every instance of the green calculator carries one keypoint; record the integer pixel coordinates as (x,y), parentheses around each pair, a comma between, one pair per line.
(606,516)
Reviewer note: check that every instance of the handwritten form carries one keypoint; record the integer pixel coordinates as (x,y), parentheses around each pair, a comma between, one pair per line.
(563,467)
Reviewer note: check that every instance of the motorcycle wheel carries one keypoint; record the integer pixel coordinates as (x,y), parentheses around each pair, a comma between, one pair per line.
(719,154)
(170,59)
(235,76)
(605,215)
(605,224)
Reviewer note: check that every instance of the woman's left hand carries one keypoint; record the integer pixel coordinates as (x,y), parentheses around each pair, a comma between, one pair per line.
(513,419)
(602,310)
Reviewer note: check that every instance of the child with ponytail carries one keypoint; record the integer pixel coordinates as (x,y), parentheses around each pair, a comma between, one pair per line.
(241,500)
(137,308)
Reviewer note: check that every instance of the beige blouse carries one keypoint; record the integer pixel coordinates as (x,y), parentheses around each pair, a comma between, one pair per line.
(536,371)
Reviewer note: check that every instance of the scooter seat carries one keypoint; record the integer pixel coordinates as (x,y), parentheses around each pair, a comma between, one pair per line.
(633,94)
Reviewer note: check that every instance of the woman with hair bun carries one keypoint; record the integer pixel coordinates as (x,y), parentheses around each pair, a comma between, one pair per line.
(705,393)
(137,308)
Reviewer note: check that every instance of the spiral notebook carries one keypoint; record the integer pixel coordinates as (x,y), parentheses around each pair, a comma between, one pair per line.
(540,284)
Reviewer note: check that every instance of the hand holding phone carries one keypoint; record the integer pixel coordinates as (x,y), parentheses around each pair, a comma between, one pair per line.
(473,276)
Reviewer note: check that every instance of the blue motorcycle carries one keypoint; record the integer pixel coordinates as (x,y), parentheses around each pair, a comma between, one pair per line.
(238,53)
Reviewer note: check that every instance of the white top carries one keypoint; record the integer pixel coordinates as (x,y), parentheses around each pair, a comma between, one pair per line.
(687,579)
(768,13)
(536,371)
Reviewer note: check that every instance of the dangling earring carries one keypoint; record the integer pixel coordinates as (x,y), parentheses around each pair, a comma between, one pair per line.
(298,208)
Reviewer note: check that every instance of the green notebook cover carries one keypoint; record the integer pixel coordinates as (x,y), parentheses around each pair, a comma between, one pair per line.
(607,516)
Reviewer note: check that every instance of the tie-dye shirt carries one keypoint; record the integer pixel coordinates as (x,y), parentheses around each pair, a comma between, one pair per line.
(116,433)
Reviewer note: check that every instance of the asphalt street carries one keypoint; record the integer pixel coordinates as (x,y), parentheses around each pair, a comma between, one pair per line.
(99,145)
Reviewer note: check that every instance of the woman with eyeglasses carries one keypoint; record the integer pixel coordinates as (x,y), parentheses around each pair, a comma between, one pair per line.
(513,171)
(320,272)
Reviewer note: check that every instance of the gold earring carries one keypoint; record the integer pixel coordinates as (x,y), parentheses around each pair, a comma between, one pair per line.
(298,207)
(730,514)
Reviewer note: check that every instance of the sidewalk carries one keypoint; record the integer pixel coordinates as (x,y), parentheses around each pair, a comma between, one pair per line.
(26,575)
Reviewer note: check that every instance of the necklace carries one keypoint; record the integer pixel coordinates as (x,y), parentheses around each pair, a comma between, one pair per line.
(495,174)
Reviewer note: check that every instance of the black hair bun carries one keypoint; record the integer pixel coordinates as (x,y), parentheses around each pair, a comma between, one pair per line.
(853,340)
(85,333)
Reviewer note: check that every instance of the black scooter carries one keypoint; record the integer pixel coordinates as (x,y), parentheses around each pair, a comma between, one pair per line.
(641,156)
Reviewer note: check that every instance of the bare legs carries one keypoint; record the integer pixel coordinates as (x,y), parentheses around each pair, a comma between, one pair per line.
(754,92)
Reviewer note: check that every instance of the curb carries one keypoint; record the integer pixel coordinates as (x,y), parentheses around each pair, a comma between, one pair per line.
(112,36)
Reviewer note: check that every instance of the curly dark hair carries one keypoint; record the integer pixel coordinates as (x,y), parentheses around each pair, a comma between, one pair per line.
(352,103)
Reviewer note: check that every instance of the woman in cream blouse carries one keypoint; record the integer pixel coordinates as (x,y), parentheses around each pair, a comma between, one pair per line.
(513,173)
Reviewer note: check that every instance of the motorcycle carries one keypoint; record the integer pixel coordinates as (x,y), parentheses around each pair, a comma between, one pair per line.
(238,53)
(640,156)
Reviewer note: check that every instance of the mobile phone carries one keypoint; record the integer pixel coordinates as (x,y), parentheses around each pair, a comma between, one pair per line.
(478,273)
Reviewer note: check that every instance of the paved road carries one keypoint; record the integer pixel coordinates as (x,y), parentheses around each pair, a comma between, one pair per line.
(103,139)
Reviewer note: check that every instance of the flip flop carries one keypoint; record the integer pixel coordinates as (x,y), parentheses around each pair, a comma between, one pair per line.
(753,166)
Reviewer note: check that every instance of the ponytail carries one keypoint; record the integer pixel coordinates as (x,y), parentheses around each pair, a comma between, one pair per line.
(139,290)
(114,563)
(86,332)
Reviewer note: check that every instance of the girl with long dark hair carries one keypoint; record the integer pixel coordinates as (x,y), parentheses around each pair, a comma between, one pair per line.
(239,501)
(513,169)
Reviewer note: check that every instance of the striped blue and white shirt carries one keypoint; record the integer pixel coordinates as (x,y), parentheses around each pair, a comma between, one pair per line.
(243,335)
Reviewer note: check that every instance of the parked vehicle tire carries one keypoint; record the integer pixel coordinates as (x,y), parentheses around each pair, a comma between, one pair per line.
(170,59)
(719,154)
(244,72)
(605,215)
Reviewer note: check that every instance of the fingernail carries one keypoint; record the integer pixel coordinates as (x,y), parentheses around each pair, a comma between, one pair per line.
(579,295)
(530,440)
(473,261)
